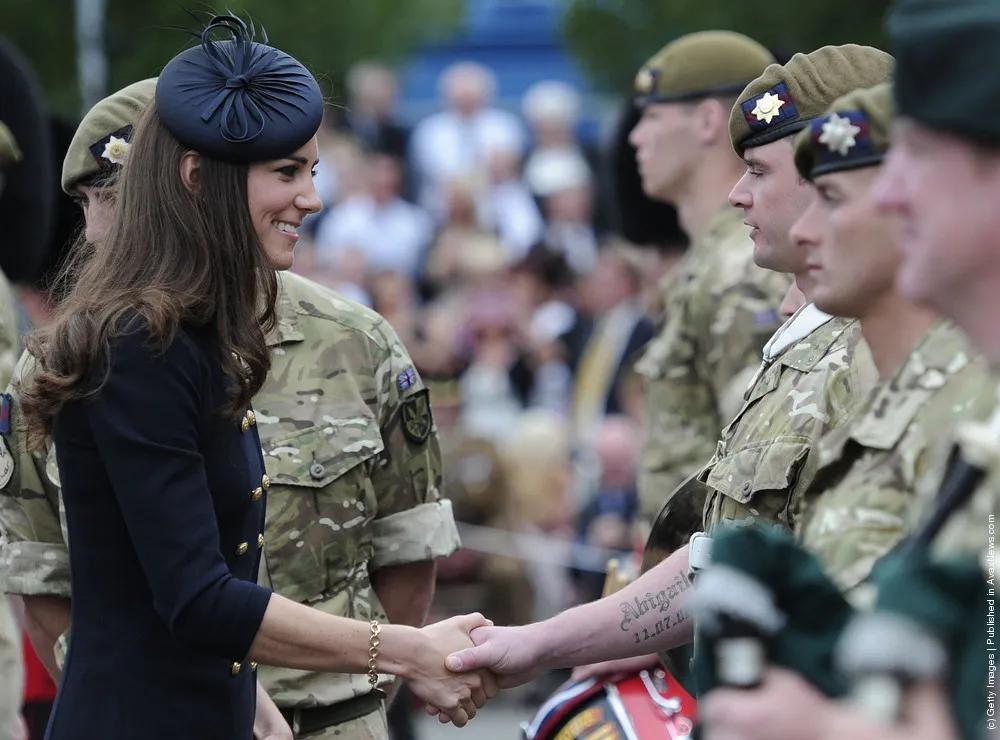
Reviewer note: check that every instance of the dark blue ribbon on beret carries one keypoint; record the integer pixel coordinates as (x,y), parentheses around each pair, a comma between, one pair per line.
(243,85)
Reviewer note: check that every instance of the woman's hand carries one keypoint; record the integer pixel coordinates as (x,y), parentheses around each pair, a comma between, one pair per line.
(268,723)
(456,695)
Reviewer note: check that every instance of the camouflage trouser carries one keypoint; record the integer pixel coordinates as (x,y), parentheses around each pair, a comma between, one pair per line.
(370,727)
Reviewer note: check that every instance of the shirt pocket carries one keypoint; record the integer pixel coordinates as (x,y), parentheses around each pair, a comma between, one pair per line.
(757,482)
(319,508)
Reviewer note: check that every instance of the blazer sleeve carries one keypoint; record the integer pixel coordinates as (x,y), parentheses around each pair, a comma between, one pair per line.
(145,422)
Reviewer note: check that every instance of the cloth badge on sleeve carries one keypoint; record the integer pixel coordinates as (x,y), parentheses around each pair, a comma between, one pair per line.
(5,404)
(406,379)
(416,417)
(6,463)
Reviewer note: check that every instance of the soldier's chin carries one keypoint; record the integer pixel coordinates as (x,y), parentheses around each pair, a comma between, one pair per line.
(763,255)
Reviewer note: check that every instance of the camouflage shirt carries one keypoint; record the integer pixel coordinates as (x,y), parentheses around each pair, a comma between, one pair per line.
(767,456)
(863,496)
(721,309)
(11,664)
(355,467)
(9,340)
(970,528)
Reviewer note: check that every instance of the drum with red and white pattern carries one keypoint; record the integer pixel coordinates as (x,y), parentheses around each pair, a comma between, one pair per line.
(647,705)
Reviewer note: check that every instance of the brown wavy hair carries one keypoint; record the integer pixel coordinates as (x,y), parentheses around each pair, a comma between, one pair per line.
(170,257)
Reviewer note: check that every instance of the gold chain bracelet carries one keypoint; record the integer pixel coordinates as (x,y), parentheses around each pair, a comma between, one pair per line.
(373,645)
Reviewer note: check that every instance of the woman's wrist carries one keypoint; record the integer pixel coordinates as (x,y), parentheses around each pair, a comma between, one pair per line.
(398,648)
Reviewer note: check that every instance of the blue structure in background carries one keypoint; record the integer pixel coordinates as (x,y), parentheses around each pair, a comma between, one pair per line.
(520,41)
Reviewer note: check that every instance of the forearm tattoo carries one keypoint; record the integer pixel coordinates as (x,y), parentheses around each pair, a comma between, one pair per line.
(650,616)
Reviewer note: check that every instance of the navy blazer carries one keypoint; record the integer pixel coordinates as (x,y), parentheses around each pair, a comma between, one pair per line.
(164,505)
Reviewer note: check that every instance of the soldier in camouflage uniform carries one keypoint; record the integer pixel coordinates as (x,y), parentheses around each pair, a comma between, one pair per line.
(931,378)
(355,519)
(815,372)
(11,664)
(942,177)
(720,308)
(816,368)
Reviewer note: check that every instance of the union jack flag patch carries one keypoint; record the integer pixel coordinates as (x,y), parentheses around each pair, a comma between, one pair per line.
(406,379)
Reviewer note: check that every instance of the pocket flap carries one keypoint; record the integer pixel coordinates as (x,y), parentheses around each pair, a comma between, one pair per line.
(316,456)
(772,466)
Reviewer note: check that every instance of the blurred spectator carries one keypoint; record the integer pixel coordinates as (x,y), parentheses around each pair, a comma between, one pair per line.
(619,331)
(455,142)
(461,225)
(552,110)
(491,404)
(537,462)
(372,92)
(508,207)
(607,520)
(568,207)
(394,296)
(391,233)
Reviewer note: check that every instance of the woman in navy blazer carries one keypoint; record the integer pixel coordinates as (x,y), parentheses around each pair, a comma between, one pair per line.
(144,380)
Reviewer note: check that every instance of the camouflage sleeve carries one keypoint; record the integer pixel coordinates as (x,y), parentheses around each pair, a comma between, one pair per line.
(708,344)
(413,522)
(9,338)
(33,557)
(736,328)
(12,670)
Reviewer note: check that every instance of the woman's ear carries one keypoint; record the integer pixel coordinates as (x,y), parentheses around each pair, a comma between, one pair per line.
(191,172)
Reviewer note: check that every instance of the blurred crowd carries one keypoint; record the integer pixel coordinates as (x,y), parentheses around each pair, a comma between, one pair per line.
(491,244)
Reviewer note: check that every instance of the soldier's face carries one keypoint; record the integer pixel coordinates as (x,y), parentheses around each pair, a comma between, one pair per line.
(663,139)
(98,205)
(851,249)
(281,194)
(947,191)
(773,196)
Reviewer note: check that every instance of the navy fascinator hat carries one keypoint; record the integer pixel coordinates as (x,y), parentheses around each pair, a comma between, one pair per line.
(238,100)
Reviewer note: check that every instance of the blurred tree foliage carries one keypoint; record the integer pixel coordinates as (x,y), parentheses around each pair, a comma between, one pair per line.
(326,36)
(612,38)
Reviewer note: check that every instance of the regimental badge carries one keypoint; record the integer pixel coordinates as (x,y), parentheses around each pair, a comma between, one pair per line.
(772,107)
(646,80)
(767,107)
(839,134)
(416,417)
(112,150)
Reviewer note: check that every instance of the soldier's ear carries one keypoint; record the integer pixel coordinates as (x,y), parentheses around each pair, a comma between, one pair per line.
(713,120)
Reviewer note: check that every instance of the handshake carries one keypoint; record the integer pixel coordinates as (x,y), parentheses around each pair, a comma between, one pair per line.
(457,665)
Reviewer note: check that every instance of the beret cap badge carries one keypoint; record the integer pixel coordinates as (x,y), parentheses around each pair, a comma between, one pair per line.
(645,81)
(839,134)
(116,150)
(768,106)
(111,151)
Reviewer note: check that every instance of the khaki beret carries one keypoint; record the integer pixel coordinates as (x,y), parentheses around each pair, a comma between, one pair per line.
(9,153)
(701,65)
(786,97)
(101,142)
(854,132)
(944,50)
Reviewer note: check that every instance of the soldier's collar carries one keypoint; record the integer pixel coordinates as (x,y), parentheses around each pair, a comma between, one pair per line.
(287,328)
(807,353)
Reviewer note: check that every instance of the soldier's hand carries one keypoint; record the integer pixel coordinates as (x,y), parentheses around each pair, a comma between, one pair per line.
(502,650)
(614,670)
(454,697)
(785,707)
